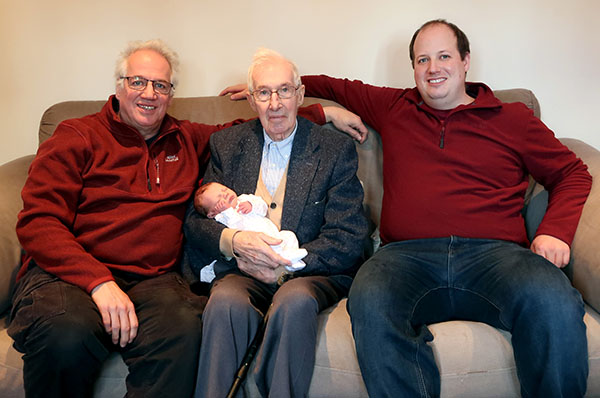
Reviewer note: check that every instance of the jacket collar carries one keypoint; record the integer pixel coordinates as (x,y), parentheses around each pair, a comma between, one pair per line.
(301,169)
(248,158)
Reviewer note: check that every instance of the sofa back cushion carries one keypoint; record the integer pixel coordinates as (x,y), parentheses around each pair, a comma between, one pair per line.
(207,110)
(217,110)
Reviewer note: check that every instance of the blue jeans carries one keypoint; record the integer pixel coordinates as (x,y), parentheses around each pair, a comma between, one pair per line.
(407,285)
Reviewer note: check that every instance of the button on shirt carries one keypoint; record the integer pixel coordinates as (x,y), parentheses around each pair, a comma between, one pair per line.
(275,158)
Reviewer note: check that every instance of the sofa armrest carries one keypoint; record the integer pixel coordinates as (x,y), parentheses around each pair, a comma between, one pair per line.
(12,179)
(585,255)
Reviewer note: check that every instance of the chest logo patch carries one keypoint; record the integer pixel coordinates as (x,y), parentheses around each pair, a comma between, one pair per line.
(172,158)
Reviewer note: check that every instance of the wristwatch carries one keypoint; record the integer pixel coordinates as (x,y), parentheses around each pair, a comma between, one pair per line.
(284,277)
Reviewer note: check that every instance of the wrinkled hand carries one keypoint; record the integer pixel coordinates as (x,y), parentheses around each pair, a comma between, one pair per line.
(552,249)
(244,207)
(347,122)
(117,311)
(263,274)
(255,255)
(237,91)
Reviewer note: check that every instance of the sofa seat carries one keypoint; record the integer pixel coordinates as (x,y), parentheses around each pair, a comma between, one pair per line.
(475,360)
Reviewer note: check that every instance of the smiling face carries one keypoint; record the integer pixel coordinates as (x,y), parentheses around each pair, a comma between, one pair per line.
(277,116)
(144,110)
(438,68)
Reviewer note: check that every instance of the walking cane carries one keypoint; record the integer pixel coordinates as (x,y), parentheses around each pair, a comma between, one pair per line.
(249,356)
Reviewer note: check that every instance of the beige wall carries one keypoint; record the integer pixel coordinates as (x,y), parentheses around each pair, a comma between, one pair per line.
(63,50)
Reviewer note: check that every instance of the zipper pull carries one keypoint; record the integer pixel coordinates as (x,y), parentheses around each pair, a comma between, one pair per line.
(157,171)
(442,134)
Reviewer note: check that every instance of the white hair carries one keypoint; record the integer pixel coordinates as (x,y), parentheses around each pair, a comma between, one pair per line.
(265,55)
(156,45)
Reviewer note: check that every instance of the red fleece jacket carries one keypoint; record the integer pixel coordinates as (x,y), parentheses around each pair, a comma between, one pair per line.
(465,175)
(99,199)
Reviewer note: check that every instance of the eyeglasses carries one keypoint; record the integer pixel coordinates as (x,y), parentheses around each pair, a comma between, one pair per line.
(139,83)
(283,92)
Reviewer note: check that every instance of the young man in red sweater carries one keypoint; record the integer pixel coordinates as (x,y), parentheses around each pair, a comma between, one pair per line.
(454,240)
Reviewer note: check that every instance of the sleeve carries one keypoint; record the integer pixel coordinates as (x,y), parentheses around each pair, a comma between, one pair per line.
(314,113)
(564,176)
(343,229)
(229,217)
(200,231)
(202,134)
(50,202)
(259,206)
(371,103)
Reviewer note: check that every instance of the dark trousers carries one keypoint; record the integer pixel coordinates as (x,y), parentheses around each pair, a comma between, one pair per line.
(407,285)
(59,329)
(285,360)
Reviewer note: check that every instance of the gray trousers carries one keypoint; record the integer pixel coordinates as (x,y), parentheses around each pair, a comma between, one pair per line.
(285,360)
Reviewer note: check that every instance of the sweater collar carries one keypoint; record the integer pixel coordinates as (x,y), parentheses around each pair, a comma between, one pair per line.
(110,115)
(484,97)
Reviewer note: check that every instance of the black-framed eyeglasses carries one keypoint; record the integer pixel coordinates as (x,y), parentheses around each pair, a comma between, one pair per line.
(139,83)
(283,92)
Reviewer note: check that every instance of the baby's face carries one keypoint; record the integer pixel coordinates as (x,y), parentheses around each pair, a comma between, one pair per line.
(217,198)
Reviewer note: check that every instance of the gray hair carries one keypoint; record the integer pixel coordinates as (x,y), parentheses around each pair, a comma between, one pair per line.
(156,45)
(265,55)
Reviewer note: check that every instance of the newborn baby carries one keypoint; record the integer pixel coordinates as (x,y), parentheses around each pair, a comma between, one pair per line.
(245,213)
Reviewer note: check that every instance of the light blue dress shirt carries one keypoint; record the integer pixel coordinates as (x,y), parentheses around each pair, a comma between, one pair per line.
(275,158)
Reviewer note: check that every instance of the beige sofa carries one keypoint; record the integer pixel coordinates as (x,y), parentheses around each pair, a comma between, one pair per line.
(476,360)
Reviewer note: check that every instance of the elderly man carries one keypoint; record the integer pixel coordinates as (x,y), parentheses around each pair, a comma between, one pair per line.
(101,226)
(456,167)
(308,175)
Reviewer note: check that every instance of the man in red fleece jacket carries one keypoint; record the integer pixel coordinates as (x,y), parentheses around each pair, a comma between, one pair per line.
(101,226)
(456,167)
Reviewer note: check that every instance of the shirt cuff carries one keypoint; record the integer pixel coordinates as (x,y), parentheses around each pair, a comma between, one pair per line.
(226,242)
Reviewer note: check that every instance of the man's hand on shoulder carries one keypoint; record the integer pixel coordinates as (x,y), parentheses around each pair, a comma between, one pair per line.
(342,119)
(237,91)
(347,122)
(552,249)
(117,311)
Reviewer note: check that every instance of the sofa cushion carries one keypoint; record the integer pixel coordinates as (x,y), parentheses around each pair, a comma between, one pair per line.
(584,250)
(13,176)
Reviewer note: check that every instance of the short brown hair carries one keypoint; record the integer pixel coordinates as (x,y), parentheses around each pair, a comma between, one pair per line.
(462,42)
(197,205)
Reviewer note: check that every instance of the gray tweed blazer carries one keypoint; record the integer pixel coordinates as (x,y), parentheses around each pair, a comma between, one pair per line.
(322,203)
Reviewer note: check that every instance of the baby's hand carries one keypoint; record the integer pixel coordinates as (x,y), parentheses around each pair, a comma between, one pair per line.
(220,206)
(244,207)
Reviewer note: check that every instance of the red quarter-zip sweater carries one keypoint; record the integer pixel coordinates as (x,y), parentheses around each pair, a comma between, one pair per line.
(466,174)
(98,198)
